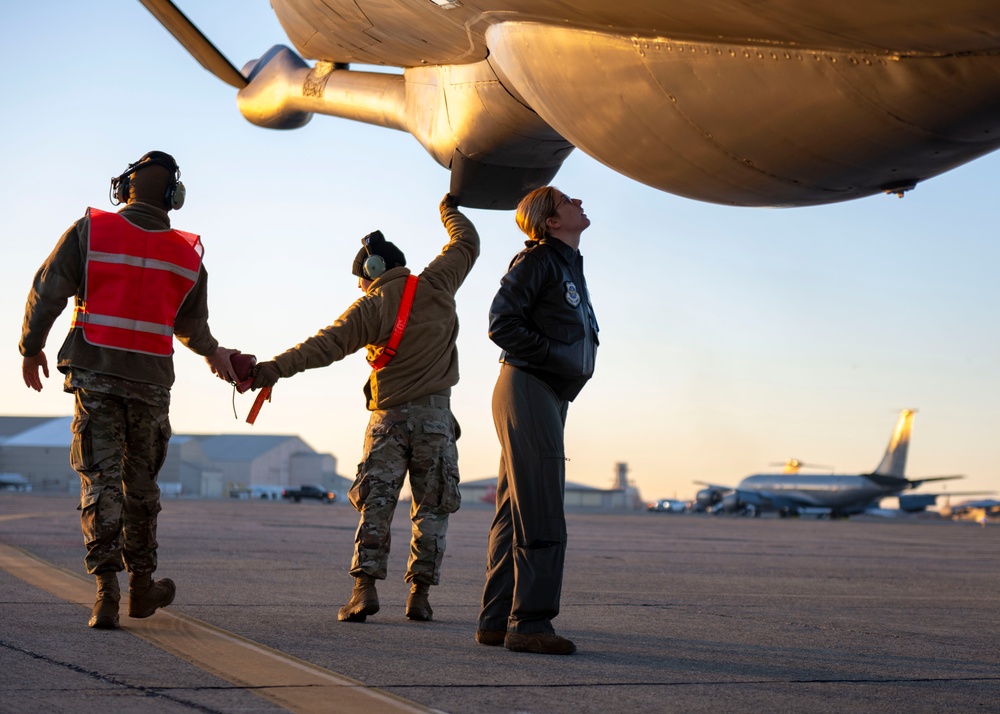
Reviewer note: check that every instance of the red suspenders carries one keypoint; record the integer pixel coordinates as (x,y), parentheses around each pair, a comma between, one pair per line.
(405,304)
(397,331)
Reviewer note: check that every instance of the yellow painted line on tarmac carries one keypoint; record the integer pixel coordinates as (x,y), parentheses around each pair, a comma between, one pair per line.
(294,684)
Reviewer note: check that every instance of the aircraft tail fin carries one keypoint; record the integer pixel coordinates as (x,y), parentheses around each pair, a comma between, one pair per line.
(894,461)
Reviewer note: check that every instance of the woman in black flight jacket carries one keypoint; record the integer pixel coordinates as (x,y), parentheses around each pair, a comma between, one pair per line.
(543,321)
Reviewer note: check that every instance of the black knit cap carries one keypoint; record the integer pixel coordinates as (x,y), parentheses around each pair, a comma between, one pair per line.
(375,244)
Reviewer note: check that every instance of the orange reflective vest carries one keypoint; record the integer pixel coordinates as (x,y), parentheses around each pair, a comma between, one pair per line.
(136,283)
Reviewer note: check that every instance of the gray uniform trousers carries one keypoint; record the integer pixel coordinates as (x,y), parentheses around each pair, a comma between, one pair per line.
(527,547)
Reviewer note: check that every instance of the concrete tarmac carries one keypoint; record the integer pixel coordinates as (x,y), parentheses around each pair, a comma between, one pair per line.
(670,613)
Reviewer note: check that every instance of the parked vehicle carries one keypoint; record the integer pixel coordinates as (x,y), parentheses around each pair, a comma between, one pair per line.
(261,492)
(309,491)
(667,505)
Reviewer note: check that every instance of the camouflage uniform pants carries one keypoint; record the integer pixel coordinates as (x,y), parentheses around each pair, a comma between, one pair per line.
(118,447)
(418,438)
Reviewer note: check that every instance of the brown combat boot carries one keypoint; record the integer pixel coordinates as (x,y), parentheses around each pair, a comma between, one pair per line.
(104,616)
(146,595)
(364,600)
(418,607)
(539,643)
(491,638)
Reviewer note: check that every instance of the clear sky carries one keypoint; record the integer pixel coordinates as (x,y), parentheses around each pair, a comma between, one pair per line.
(730,338)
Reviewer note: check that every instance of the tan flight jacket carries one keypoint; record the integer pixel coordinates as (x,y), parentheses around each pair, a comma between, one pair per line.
(427,359)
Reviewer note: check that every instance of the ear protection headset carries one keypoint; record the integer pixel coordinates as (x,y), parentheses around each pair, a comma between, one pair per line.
(173,197)
(374,265)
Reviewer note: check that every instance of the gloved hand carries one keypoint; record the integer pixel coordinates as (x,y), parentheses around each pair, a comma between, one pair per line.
(243,365)
(265,375)
(449,201)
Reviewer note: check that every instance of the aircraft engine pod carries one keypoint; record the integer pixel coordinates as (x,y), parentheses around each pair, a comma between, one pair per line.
(497,148)
(268,99)
(707,497)
(797,126)
(731,503)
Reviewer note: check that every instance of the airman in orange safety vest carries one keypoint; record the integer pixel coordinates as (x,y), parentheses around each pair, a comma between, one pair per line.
(136,284)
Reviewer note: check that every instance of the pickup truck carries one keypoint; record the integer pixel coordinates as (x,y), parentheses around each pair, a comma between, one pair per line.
(316,493)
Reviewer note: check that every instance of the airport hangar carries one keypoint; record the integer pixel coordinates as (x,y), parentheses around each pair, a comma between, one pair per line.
(218,465)
(207,465)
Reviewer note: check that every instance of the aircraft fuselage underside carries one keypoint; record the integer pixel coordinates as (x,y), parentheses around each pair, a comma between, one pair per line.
(743,103)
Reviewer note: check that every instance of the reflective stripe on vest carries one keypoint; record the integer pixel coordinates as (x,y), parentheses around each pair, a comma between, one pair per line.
(136,282)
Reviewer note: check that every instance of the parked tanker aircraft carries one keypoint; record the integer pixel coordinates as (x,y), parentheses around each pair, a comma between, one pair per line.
(836,495)
(763,103)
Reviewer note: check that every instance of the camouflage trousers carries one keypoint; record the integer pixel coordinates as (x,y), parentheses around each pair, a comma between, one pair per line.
(119,445)
(418,438)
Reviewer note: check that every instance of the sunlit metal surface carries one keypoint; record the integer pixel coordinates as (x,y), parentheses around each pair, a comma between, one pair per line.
(753,125)
(894,461)
(770,102)
(497,148)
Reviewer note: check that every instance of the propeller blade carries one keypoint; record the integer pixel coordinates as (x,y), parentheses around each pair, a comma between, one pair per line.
(194,42)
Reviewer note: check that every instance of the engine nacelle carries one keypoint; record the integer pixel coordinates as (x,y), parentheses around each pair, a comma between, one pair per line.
(496,147)
(707,497)
(731,503)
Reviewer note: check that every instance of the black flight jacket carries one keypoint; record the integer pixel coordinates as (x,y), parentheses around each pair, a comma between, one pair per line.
(542,318)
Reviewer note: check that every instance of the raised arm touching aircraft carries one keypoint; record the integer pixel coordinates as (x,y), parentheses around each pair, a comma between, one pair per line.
(835,495)
(762,103)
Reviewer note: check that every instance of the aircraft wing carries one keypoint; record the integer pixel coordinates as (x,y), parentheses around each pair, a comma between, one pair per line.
(982,503)
(750,104)
(715,486)
(917,502)
(919,481)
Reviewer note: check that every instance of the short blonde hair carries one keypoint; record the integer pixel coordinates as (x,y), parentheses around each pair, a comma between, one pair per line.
(536,208)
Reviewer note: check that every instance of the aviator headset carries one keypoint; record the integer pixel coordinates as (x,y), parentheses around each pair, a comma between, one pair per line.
(374,265)
(173,197)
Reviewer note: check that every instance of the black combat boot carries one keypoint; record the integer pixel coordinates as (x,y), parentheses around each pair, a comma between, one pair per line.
(418,607)
(104,616)
(364,600)
(146,595)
